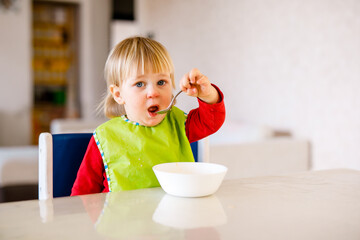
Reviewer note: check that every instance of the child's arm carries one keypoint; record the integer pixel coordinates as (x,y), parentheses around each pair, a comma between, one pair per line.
(206,119)
(196,84)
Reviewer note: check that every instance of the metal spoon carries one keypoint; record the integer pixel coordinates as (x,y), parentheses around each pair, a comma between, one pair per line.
(170,105)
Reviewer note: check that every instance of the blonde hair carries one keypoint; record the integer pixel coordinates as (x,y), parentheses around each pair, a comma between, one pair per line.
(128,58)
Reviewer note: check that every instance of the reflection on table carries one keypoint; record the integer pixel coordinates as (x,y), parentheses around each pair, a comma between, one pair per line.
(190,213)
(310,205)
(156,215)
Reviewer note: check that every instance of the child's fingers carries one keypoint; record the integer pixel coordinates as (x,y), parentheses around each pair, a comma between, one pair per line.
(194,83)
(185,82)
(192,92)
(203,80)
(194,74)
(187,87)
(197,78)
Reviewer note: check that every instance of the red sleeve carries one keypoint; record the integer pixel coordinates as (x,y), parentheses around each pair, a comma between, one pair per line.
(206,119)
(91,177)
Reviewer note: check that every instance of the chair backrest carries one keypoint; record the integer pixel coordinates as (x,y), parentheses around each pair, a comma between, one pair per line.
(68,152)
(60,156)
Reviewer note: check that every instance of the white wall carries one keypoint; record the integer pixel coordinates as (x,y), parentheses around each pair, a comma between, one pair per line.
(287,64)
(15,75)
(94,48)
(122,29)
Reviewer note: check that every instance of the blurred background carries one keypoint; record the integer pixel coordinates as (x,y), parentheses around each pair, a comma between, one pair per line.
(291,66)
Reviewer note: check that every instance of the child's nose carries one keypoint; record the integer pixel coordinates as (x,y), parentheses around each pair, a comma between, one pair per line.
(152,92)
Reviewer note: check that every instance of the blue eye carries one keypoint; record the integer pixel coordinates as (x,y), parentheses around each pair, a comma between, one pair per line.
(161,82)
(139,84)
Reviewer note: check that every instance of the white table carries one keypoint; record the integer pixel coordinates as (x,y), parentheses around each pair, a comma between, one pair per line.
(312,205)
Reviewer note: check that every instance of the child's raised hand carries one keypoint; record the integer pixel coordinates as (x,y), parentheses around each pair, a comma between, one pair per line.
(196,84)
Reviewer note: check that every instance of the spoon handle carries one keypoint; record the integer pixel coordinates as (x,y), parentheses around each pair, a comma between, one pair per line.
(170,105)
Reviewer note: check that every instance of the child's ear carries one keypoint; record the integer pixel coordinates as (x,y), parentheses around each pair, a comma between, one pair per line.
(115,92)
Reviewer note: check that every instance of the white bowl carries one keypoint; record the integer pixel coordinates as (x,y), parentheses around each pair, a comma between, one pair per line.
(190,179)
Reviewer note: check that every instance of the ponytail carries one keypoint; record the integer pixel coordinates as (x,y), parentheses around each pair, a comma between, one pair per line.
(110,107)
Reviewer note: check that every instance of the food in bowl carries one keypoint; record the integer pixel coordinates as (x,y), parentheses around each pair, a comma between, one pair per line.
(190,179)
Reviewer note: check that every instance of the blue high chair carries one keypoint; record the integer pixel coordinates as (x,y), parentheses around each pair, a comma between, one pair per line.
(60,156)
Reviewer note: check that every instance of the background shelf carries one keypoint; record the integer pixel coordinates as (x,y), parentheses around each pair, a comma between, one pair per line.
(55,66)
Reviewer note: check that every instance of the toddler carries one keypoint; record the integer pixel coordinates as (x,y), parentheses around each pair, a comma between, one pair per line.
(140,79)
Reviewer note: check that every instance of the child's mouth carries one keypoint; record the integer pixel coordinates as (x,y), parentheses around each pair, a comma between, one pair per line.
(152,110)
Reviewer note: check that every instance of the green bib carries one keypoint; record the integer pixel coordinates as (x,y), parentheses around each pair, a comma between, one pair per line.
(129,150)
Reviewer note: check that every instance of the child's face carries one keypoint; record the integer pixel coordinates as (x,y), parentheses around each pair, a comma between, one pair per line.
(143,95)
